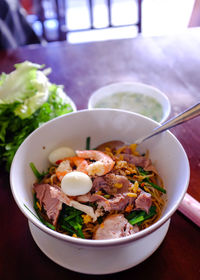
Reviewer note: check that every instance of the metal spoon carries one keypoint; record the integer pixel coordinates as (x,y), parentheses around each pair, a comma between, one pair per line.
(187,115)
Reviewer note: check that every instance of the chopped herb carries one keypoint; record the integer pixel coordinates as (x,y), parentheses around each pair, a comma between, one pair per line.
(37,174)
(152,212)
(156,186)
(88,143)
(31,212)
(132,181)
(46,223)
(70,219)
(71,216)
(133,214)
(68,229)
(142,171)
(100,219)
(137,217)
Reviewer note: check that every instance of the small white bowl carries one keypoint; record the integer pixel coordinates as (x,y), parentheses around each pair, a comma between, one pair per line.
(102,125)
(100,96)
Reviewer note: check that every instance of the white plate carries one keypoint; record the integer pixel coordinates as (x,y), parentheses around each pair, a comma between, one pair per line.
(71,102)
(66,98)
(131,88)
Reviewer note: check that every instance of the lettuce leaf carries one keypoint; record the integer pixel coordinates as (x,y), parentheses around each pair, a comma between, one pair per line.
(20,83)
(27,100)
(28,85)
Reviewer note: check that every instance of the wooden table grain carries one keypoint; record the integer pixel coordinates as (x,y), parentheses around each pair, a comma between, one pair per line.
(170,63)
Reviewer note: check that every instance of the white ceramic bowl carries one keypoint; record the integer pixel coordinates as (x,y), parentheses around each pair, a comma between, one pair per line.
(99,256)
(103,93)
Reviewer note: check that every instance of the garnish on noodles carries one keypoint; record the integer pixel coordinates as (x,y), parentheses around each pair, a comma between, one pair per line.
(106,193)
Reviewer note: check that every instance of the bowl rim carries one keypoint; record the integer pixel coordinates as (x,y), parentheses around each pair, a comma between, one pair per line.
(88,242)
(111,89)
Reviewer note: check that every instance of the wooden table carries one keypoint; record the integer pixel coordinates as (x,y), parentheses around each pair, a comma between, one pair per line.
(170,63)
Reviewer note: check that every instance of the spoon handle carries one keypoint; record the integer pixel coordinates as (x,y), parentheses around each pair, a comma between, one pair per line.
(190,207)
(187,115)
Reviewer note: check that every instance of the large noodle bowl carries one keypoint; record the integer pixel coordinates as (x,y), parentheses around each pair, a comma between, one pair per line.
(106,193)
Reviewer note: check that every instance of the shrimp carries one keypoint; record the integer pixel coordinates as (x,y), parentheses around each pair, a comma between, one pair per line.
(63,168)
(102,165)
(80,163)
(66,165)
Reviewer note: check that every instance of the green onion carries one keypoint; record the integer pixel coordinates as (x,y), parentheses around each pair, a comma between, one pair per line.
(137,217)
(70,219)
(142,171)
(80,233)
(133,214)
(31,211)
(47,224)
(100,219)
(37,174)
(132,181)
(156,186)
(152,212)
(136,220)
(67,229)
(88,143)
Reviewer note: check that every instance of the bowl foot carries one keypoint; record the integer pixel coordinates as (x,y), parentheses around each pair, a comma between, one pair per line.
(98,260)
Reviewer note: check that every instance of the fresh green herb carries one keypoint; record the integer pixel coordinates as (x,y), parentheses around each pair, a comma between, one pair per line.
(156,186)
(45,222)
(70,219)
(100,219)
(68,229)
(88,143)
(152,212)
(37,174)
(31,211)
(137,217)
(132,215)
(142,171)
(132,181)
(27,100)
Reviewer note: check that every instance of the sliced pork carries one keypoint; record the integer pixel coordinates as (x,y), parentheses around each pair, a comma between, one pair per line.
(143,202)
(140,161)
(59,194)
(52,197)
(100,183)
(120,183)
(118,202)
(114,226)
(111,184)
(52,205)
